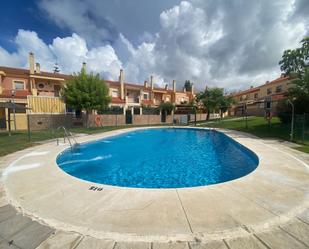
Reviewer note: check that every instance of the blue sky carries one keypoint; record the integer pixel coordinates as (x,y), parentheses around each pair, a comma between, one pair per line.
(233,44)
(25,14)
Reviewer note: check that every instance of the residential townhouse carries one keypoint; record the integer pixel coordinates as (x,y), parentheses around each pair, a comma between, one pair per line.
(40,91)
(261,99)
(130,95)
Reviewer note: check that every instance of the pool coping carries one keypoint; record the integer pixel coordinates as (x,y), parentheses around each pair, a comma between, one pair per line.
(16,177)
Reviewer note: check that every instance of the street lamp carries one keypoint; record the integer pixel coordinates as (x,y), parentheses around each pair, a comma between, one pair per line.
(14,111)
(292,121)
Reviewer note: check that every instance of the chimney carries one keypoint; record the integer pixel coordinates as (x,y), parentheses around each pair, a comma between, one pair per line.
(166,86)
(31,63)
(174,86)
(146,84)
(84,66)
(151,82)
(251,87)
(121,81)
(37,68)
(192,89)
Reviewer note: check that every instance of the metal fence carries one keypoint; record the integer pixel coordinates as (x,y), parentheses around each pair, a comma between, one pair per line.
(301,127)
(112,110)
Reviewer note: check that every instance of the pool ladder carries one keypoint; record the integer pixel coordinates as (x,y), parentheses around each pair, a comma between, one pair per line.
(69,136)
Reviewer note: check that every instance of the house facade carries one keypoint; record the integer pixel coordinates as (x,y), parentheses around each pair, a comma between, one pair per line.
(130,95)
(259,100)
(40,92)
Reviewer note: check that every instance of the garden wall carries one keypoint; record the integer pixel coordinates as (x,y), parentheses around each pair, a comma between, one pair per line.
(106,120)
(47,121)
(146,119)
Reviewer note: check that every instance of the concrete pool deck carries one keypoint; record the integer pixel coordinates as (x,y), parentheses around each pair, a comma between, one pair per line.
(269,208)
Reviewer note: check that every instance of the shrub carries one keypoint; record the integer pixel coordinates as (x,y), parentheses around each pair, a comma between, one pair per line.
(284,111)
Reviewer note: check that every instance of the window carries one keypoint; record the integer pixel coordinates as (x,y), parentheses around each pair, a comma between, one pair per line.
(114,93)
(267,104)
(145,96)
(269,90)
(243,97)
(57,90)
(256,95)
(278,89)
(41,85)
(19,85)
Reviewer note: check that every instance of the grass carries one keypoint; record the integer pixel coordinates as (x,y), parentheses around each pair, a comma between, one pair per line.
(19,140)
(259,127)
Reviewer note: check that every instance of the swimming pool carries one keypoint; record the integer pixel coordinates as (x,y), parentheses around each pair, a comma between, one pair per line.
(160,158)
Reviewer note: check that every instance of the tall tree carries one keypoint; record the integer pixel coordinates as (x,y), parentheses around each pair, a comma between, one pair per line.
(225,104)
(166,107)
(213,99)
(86,92)
(188,85)
(295,63)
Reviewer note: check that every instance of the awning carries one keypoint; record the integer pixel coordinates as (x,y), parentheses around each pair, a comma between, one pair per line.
(13,106)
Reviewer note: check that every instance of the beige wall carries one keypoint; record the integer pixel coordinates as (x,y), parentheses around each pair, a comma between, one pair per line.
(179,97)
(284,84)
(262,91)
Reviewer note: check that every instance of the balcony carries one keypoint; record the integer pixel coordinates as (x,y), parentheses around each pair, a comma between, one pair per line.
(132,100)
(133,97)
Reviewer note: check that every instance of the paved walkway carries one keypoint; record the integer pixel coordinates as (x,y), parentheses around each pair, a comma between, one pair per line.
(18,231)
(266,209)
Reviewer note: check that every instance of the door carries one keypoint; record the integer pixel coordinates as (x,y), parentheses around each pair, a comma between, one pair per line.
(2,118)
(163,117)
(128,117)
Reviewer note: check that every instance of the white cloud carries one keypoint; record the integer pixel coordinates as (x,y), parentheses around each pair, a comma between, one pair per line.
(68,52)
(232,44)
(228,44)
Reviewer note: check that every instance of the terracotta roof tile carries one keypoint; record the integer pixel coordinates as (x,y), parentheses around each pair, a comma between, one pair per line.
(25,72)
(116,100)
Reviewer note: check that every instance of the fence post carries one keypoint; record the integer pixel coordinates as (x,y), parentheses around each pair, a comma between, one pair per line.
(303,128)
(28,127)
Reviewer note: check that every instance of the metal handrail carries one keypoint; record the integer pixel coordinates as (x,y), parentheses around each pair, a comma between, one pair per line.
(67,134)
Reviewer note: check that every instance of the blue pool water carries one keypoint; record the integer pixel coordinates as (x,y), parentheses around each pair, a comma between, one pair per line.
(160,158)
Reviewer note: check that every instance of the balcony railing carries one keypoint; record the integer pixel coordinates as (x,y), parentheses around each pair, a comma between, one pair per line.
(134,100)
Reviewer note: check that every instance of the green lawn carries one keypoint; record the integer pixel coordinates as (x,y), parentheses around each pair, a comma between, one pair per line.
(259,127)
(19,140)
